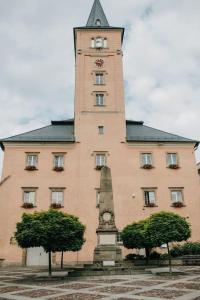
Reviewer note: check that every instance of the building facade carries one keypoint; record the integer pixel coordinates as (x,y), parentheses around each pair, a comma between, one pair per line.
(59,165)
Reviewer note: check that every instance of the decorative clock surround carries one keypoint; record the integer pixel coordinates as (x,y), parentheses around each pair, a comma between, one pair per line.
(99,63)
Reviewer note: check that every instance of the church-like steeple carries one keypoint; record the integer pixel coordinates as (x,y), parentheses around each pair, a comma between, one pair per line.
(97,16)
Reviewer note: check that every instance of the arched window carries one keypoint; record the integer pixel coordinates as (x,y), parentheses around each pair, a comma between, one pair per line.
(98,22)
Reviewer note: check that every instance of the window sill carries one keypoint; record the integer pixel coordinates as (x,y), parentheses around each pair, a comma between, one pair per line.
(99,105)
(56,206)
(151,206)
(99,84)
(98,168)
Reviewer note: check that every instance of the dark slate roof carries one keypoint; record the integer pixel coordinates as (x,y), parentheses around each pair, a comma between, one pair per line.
(96,14)
(63,131)
(137,131)
(58,131)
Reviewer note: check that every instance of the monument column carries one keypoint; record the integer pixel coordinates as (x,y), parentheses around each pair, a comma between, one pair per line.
(107,252)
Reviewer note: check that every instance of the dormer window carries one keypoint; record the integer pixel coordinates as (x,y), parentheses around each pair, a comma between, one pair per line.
(98,22)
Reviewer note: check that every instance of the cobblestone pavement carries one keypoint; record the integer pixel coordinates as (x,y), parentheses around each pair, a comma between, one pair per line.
(21,284)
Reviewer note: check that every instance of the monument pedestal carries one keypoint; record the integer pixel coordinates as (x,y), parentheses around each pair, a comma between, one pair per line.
(108,255)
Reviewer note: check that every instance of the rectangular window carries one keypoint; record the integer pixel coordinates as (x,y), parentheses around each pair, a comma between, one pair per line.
(29,197)
(32,160)
(150,198)
(177,196)
(172,159)
(146,159)
(119,237)
(99,78)
(57,197)
(100,160)
(100,99)
(58,161)
(101,129)
(97,197)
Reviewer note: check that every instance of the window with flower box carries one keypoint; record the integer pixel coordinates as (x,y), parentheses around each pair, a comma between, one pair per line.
(172,161)
(31,161)
(58,162)
(100,160)
(146,161)
(177,197)
(57,198)
(149,197)
(29,197)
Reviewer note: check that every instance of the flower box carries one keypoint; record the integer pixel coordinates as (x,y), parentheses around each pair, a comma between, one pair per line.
(177,204)
(28,205)
(151,205)
(99,167)
(56,205)
(147,166)
(58,169)
(174,166)
(31,168)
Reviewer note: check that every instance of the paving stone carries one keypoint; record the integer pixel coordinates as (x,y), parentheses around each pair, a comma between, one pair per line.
(116,289)
(185,285)
(79,296)
(10,289)
(161,293)
(108,280)
(144,283)
(36,293)
(76,286)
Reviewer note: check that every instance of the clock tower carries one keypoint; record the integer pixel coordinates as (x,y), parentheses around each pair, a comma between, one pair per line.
(99,88)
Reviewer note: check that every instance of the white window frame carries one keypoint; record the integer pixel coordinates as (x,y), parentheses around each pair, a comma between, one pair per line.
(151,200)
(100,160)
(29,197)
(171,160)
(31,160)
(100,99)
(146,159)
(177,196)
(57,197)
(99,78)
(60,162)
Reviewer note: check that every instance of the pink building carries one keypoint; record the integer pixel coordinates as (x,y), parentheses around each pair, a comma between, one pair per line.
(59,165)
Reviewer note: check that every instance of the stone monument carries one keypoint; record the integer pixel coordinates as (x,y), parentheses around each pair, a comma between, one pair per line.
(107,253)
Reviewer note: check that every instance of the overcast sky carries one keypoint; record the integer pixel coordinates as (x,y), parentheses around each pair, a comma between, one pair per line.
(161,61)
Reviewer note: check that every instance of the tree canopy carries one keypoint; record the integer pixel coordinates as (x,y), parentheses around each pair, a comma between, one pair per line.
(135,236)
(167,227)
(52,230)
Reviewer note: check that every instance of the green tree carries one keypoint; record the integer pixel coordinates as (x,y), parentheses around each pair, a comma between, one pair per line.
(167,227)
(52,230)
(135,236)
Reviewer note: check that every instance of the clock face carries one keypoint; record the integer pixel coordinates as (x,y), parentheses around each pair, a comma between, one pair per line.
(107,216)
(99,63)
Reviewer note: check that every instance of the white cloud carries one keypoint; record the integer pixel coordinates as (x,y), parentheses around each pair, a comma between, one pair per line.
(161,61)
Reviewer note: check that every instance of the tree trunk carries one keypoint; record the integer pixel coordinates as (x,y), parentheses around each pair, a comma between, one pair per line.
(62,260)
(170,260)
(147,251)
(50,269)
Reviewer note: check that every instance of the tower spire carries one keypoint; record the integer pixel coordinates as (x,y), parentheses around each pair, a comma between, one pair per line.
(97,17)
